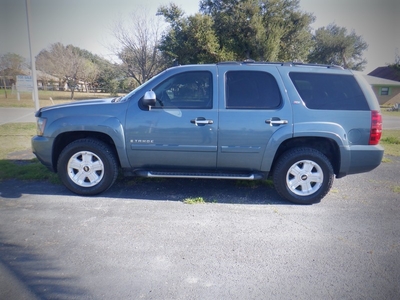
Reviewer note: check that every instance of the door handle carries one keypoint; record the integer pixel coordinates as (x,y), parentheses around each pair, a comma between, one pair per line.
(201,121)
(276,121)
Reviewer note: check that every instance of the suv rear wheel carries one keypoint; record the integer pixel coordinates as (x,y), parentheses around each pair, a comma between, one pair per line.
(303,175)
(87,167)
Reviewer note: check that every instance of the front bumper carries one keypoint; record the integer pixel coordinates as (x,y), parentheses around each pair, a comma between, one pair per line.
(41,147)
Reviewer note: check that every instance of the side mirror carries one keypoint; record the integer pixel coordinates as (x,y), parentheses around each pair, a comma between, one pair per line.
(149,99)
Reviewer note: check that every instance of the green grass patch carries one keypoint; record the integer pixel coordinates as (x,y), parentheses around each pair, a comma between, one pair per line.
(391,142)
(196,200)
(385,159)
(13,129)
(15,137)
(29,170)
(384,111)
(58,97)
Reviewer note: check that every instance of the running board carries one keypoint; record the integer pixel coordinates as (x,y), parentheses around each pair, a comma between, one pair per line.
(164,174)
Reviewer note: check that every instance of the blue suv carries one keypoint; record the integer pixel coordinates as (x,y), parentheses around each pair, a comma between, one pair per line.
(301,124)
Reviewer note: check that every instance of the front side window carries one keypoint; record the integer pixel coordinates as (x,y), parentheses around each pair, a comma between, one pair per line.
(329,91)
(185,90)
(251,90)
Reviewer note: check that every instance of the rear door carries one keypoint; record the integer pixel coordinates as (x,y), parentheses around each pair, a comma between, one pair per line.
(253,108)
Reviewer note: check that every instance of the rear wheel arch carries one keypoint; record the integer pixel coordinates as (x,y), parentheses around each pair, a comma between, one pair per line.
(326,146)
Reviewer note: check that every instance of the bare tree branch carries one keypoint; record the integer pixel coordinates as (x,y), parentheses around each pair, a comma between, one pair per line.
(138,46)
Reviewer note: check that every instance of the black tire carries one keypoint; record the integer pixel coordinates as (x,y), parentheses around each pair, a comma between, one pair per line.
(87,167)
(303,175)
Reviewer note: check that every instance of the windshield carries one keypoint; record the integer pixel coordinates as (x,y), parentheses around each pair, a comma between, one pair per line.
(127,96)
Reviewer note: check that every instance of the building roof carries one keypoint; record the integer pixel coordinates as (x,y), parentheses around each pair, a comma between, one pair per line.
(376,81)
(386,73)
(40,75)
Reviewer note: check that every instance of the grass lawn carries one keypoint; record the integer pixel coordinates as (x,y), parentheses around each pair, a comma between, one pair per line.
(391,142)
(58,97)
(391,113)
(17,137)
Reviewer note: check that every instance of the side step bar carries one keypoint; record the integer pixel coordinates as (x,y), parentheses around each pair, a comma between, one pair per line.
(164,174)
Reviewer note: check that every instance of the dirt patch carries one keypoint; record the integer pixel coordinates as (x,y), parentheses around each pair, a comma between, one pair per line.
(21,155)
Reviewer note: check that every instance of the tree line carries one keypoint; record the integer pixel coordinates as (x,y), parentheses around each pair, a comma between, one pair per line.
(222,30)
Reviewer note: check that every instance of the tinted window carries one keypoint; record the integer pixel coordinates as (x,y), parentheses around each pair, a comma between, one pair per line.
(251,90)
(185,90)
(329,91)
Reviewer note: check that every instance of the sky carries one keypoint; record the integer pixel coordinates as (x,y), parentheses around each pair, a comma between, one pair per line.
(88,24)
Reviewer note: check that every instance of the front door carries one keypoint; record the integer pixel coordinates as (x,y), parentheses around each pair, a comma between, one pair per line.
(181,130)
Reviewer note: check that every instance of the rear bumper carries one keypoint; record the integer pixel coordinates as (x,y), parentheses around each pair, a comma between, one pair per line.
(362,159)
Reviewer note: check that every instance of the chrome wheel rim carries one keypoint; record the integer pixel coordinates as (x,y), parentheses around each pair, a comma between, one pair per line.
(85,169)
(304,178)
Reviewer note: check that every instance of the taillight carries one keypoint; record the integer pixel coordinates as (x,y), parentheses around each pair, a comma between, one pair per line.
(376,128)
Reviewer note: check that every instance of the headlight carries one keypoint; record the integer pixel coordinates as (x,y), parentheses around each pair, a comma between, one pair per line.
(40,125)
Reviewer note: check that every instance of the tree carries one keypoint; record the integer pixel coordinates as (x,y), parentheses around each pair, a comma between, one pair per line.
(238,29)
(396,65)
(288,29)
(91,68)
(333,45)
(65,62)
(238,25)
(138,49)
(109,76)
(190,39)
(11,64)
(262,30)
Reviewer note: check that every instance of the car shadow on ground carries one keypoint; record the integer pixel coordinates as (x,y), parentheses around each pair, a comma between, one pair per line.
(38,273)
(160,189)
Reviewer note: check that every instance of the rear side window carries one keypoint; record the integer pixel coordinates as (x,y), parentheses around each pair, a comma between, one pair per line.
(329,91)
(251,90)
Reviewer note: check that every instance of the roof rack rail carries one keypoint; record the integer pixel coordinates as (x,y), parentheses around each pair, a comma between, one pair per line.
(228,63)
(313,65)
(289,64)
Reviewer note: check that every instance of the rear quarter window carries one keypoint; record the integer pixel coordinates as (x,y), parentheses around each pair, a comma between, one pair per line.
(329,91)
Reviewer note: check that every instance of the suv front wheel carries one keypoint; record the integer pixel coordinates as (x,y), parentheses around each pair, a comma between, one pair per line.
(303,175)
(87,167)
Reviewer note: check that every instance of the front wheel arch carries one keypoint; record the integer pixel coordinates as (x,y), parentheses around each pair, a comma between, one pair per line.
(66,138)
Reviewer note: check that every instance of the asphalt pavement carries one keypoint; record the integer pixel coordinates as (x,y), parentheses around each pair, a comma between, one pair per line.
(140,241)
(16,115)
(391,122)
